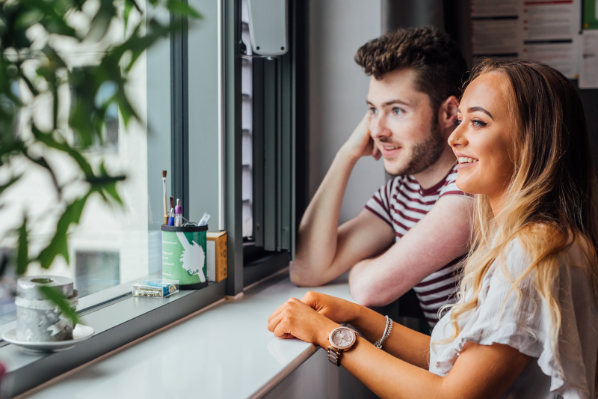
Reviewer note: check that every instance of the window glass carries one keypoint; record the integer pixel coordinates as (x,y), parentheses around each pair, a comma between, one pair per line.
(111,246)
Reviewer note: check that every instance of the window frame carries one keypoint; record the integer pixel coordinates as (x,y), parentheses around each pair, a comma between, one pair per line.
(280,117)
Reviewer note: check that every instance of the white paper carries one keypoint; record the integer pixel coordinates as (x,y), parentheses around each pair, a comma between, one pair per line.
(551,34)
(539,30)
(496,28)
(588,74)
(561,56)
(493,8)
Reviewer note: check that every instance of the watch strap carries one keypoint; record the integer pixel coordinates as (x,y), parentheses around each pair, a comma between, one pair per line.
(334,355)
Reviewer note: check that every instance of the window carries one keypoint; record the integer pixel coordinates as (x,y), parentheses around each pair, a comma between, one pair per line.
(111,247)
(96,271)
(190,88)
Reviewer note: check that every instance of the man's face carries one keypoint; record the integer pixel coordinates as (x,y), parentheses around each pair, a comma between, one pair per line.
(403,125)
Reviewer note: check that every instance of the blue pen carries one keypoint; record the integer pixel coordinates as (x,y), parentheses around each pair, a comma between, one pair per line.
(171,217)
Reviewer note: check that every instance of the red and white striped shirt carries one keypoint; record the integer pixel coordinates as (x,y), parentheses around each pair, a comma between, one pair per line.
(401,203)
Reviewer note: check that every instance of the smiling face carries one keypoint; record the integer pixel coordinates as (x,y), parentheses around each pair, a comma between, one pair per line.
(403,124)
(482,140)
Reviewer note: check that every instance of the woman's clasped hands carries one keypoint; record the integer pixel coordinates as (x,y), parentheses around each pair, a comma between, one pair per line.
(312,318)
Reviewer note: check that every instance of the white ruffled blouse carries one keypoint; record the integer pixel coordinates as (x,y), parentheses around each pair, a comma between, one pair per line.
(525,326)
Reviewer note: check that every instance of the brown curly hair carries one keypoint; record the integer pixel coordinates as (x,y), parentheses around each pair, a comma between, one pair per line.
(435,57)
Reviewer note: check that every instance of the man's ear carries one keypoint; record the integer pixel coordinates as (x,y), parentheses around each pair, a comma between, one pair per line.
(447,113)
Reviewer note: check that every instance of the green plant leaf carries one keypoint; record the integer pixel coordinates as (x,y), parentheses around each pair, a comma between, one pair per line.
(59,243)
(54,18)
(30,85)
(9,183)
(62,302)
(129,5)
(4,260)
(179,7)
(104,183)
(101,21)
(48,139)
(9,146)
(23,248)
(41,161)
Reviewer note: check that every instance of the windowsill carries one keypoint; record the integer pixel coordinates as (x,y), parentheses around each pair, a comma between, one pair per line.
(117,324)
(225,351)
(93,302)
(118,319)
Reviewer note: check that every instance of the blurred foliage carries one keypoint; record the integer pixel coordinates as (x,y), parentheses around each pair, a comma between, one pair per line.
(35,65)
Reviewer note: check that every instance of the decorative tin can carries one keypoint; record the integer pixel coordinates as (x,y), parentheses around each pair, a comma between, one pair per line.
(184,256)
(38,318)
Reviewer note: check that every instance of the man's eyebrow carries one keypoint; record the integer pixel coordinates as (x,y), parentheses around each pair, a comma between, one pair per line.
(474,109)
(396,101)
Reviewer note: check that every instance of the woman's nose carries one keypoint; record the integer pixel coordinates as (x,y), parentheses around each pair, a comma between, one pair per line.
(457,138)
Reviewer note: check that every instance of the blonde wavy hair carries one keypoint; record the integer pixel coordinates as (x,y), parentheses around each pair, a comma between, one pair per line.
(551,199)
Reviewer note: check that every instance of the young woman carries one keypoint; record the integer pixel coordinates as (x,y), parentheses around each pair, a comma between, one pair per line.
(526,322)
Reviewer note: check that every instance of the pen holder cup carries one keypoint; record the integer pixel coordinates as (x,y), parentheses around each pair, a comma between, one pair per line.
(184,256)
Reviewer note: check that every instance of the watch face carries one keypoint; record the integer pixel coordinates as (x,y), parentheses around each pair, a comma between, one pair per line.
(342,337)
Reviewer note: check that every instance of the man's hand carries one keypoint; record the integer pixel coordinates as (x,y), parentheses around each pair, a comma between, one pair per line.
(360,143)
(336,309)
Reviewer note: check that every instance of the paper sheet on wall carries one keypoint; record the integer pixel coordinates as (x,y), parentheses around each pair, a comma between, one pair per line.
(588,74)
(540,30)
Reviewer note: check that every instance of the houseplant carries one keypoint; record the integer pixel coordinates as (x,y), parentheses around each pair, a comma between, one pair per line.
(35,36)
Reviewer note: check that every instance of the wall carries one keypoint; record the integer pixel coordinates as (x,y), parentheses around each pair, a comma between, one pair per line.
(317,378)
(337,92)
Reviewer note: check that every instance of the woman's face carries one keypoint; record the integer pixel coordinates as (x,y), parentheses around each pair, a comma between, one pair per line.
(481,141)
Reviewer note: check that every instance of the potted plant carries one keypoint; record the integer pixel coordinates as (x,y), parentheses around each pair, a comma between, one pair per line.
(35,68)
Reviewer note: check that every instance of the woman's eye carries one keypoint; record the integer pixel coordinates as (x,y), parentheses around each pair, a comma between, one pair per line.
(478,123)
(397,111)
(373,110)
(457,121)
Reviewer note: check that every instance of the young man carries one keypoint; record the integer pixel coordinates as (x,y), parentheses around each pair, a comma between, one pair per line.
(414,231)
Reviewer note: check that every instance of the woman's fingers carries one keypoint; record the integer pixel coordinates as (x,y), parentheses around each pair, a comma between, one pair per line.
(275,321)
(278,310)
(281,330)
(311,299)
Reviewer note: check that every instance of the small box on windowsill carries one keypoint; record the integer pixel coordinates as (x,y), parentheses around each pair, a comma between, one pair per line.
(216,249)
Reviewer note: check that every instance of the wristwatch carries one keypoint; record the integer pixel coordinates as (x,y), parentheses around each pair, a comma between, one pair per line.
(341,339)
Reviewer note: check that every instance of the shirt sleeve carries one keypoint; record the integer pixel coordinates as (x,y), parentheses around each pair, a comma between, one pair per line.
(450,186)
(521,320)
(379,204)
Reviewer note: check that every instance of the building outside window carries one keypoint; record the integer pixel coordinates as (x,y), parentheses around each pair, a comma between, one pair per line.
(110,246)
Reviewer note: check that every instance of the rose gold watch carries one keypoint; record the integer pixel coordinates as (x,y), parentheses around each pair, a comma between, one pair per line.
(341,339)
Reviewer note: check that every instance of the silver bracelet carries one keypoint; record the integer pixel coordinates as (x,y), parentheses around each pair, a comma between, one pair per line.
(386,334)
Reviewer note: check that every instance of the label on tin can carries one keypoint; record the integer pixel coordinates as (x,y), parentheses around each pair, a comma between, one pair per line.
(184,257)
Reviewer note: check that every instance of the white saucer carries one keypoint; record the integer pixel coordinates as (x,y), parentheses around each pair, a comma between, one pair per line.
(80,333)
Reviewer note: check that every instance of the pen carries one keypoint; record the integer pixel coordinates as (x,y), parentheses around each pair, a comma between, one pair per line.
(178,214)
(164,192)
(204,219)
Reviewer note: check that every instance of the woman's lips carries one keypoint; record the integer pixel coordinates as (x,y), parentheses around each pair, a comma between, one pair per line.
(389,151)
